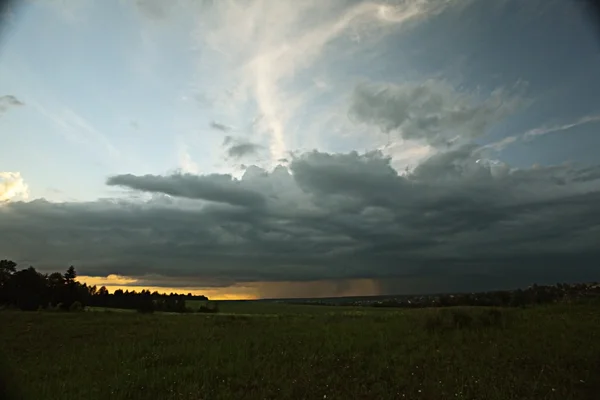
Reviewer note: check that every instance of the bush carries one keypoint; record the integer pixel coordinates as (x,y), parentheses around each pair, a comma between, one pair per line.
(76,306)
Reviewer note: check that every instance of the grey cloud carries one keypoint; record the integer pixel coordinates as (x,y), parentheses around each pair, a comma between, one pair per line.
(239,148)
(454,219)
(9,101)
(243,149)
(154,9)
(215,187)
(432,111)
(220,127)
(367,176)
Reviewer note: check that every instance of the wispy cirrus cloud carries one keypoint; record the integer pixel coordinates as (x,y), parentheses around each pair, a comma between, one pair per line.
(78,129)
(588,119)
(541,131)
(267,62)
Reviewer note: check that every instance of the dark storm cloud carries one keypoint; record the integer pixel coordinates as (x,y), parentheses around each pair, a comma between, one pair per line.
(454,219)
(215,187)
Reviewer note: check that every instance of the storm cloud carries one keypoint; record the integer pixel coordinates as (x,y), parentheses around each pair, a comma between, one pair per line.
(454,218)
(221,188)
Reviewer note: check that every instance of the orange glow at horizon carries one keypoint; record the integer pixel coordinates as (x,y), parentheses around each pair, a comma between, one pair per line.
(115,282)
(247,290)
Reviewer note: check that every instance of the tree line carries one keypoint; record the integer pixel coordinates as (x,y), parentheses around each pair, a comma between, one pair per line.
(29,290)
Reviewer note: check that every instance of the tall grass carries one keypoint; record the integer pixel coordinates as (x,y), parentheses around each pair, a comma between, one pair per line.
(537,353)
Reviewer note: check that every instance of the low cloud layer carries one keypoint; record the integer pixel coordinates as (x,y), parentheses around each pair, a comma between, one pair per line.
(220,188)
(454,219)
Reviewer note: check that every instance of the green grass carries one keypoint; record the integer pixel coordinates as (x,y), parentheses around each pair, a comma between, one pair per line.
(264,307)
(109,309)
(277,351)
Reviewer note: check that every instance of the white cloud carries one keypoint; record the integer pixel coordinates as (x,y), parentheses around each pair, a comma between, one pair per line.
(266,45)
(501,144)
(186,163)
(535,133)
(12,187)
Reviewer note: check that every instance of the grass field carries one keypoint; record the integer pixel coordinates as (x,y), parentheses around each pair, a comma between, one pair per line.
(274,351)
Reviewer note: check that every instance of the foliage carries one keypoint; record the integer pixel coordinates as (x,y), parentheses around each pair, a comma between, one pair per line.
(29,290)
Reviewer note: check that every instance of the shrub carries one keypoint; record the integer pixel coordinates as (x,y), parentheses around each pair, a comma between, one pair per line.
(76,306)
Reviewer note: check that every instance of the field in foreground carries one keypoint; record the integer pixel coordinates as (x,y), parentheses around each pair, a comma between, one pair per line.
(306,352)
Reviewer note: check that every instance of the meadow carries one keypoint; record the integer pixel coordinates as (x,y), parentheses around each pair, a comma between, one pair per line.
(253,350)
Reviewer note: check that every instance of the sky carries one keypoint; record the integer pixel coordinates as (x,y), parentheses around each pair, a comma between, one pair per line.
(266,149)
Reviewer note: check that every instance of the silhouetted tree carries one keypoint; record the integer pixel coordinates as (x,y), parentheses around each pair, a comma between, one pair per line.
(28,289)
(7,270)
(70,275)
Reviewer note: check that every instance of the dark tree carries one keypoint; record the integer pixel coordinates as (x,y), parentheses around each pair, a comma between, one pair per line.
(28,289)
(70,275)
